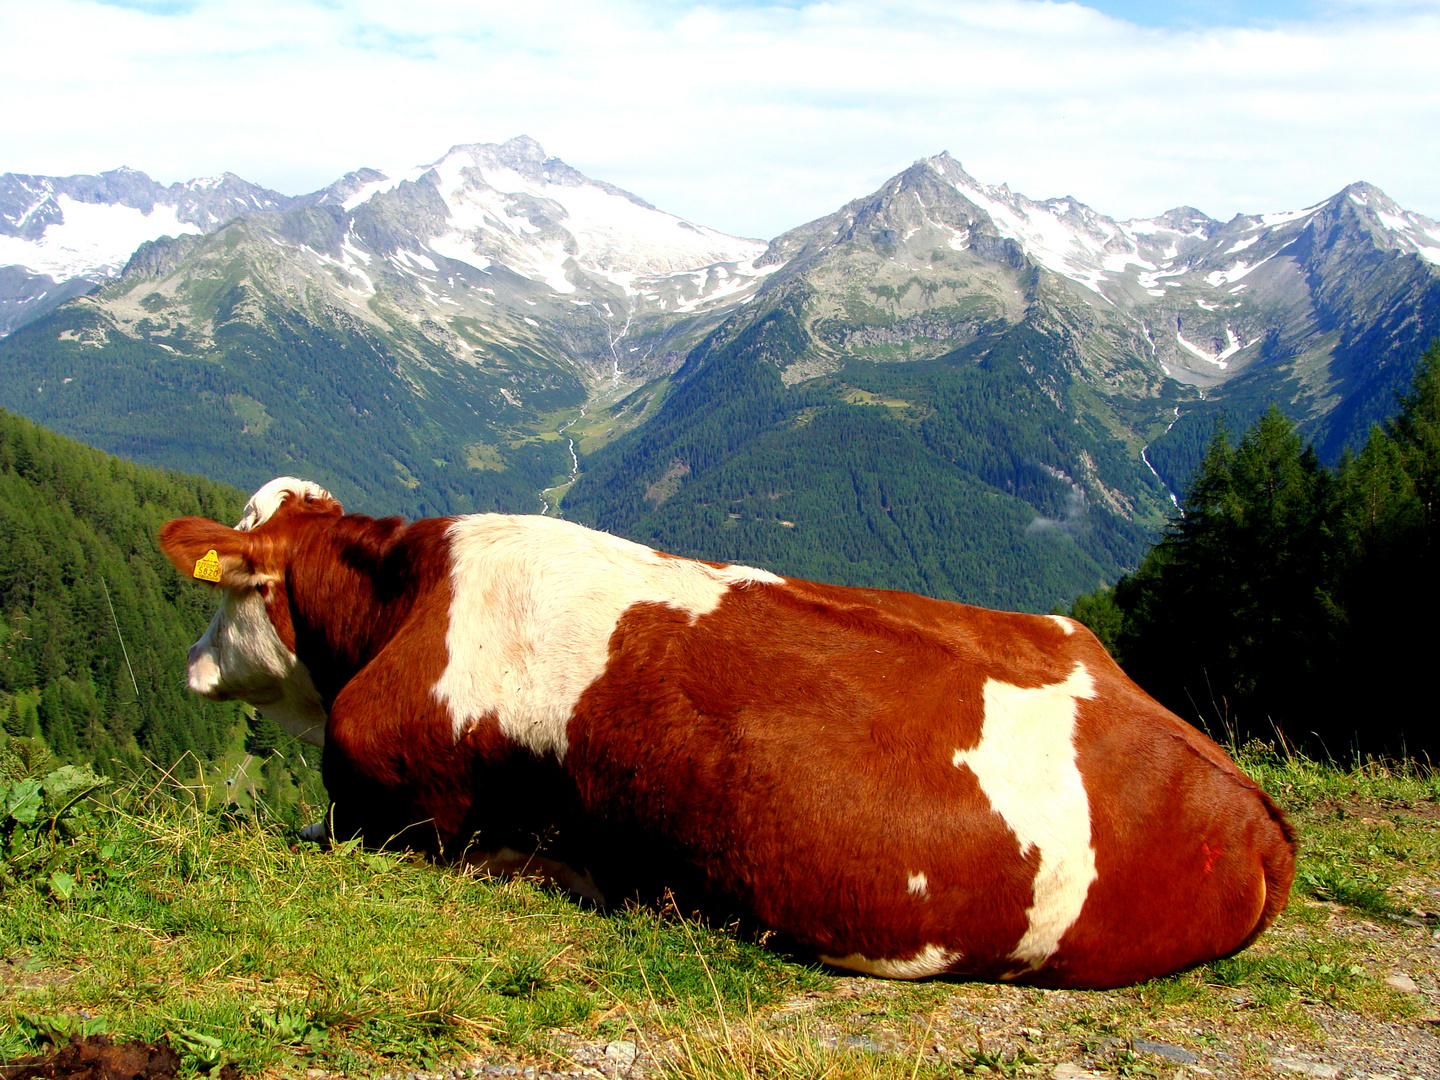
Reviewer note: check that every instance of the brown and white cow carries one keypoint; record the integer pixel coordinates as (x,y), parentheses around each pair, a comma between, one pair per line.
(903,786)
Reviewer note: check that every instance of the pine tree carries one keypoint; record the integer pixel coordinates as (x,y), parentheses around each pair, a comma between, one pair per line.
(1284,599)
(1417,430)
(56,724)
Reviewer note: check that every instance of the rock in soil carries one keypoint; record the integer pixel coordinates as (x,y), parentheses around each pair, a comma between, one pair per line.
(1305,1068)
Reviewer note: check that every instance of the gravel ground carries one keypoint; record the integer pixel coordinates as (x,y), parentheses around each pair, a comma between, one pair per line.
(1074,1035)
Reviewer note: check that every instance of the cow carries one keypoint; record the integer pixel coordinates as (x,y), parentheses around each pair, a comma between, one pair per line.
(898,785)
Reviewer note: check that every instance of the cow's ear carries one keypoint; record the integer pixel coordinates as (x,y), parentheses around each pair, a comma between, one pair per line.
(208,551)
(323,503)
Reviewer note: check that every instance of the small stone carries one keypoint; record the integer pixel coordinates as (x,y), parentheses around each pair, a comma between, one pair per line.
(621,1052)
(1403,983)
(1068,1070)
(1305,1068)
(1032,1033)
(860,1042)
(1165,1050)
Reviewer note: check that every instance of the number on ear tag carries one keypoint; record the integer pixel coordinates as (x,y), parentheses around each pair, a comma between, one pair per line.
(207,567)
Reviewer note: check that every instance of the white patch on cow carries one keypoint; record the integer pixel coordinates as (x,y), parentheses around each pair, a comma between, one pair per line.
(919,884)
(241,656)
(1065,624)
(263,504)
(1026,766)
(535,601)
(931,960)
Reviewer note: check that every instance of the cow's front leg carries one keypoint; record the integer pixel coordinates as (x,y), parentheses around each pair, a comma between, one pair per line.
(378,806)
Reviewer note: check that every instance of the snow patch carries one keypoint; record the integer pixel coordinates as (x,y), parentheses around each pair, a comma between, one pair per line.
(536,227)
(1049,233)
(378,187)
(1221,359)
(1216,278)
(1288,215)
(92,238)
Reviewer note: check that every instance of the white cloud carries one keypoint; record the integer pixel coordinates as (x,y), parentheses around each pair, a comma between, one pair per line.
(749,117)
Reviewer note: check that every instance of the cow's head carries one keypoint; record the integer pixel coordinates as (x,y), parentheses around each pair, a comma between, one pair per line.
(248,650)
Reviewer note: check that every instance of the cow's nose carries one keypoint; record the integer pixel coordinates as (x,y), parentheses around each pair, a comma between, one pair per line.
(204,671)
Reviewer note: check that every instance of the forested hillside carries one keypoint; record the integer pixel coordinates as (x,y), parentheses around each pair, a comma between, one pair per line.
(1297,600)
(966,476)
(94,622)
(325,399)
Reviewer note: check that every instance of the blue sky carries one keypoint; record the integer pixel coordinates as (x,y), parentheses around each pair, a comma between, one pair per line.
(748,116)
(1200,13)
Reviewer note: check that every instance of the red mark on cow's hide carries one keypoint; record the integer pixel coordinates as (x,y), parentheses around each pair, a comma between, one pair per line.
(1210,856)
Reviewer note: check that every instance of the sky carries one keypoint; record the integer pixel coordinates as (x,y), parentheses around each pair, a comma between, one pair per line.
(752,117)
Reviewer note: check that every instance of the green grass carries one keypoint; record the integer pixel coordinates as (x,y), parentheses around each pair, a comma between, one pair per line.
(219,928)
(149,914)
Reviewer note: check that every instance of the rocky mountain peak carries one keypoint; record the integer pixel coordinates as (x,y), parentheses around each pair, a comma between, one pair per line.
(521,150)
(1388,224)
(949,169)
(1186,219)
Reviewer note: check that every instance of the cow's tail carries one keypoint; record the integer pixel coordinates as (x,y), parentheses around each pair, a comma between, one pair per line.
(1277,860)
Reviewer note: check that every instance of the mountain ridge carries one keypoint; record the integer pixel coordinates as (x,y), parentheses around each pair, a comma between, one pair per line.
(521,337)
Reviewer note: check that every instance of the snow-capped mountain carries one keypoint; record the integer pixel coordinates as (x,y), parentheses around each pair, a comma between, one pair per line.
(467,333)
(1206,293)
(1069,238)
(478,208)
(1206,298)
(462,305)
(61,235)
(508,226)
(513,206)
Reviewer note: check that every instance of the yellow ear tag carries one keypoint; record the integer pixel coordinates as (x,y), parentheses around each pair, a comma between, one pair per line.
(207,567)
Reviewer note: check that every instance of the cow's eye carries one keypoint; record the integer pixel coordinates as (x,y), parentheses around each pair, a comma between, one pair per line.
(264,590)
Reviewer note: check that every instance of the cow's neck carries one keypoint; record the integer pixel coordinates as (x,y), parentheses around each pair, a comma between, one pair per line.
(352,584)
